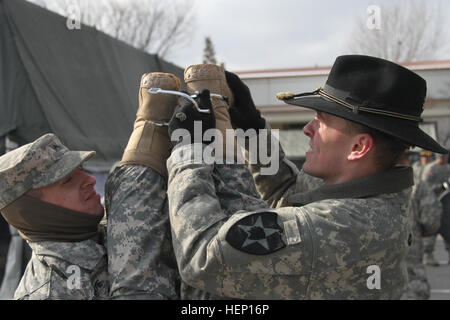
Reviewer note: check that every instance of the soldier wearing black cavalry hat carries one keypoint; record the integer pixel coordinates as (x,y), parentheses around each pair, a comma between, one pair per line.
(337,229)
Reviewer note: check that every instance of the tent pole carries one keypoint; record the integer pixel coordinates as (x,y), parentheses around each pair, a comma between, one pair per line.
(2,145)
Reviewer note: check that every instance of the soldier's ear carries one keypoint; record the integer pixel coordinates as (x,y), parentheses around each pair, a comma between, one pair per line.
(362,144)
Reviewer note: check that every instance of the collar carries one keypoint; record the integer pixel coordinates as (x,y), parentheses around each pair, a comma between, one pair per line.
(391,181)
(85,254)
(37,220)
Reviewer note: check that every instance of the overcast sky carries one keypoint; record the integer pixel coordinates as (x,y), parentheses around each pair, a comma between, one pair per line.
(270,34)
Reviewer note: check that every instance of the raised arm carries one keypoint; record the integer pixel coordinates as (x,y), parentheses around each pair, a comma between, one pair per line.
(276,177)
(141,260)
(141,263)
(231,255)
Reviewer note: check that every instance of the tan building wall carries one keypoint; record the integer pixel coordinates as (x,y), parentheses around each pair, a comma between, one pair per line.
(265,84)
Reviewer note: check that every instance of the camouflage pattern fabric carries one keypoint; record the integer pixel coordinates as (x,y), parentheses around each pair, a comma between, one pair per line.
(236,191)
(425,212)
(65,271)
(322,250)
(235,188)
(435,175)
(141,262)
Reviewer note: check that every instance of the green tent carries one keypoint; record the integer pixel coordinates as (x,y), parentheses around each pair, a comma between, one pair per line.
(80,84)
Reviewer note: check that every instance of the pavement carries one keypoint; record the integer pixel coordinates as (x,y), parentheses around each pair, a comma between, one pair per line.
(439,277)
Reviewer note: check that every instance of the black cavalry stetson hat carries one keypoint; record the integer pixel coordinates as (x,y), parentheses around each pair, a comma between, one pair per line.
(374,92)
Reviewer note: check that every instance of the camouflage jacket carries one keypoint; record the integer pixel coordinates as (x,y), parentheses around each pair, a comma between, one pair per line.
(436,174)
(425,213)
(65,271)
(141,262)
(325,249)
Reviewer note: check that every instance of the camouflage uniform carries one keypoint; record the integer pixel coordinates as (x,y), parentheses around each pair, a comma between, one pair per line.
(321,250)
(418,170)
(65,271)
(236,191)
(141,261)
(435,175)
(425,211)
(58,269)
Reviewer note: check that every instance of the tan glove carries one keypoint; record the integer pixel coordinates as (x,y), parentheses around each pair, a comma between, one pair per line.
(212,77)
(149,143)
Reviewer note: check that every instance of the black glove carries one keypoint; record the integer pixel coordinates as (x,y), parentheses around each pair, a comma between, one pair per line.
(243,112)
(185,114)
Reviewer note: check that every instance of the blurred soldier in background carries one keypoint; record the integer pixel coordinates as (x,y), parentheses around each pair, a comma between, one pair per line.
(425,213)
(435,174)
(425,158)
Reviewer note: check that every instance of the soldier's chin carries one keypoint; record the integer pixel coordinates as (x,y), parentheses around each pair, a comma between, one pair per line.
(96,208)
(308,170)
(306,167)
(100,208)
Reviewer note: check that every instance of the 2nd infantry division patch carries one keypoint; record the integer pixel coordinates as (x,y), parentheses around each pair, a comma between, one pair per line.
(257,233)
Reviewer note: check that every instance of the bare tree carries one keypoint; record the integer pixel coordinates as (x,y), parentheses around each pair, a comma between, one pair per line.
(409,31)
(155,26)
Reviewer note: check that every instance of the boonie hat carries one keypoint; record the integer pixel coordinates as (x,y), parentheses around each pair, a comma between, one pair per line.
(38,164)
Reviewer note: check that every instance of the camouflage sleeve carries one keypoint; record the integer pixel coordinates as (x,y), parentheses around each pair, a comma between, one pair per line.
(235,188)
(280,177)
(207,260)
(429,209)
(141,263)
(319,251)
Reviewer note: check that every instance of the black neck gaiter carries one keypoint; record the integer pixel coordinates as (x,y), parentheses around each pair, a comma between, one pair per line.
(37,220)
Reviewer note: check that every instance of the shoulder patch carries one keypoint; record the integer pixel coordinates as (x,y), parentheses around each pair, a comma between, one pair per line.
(257,233)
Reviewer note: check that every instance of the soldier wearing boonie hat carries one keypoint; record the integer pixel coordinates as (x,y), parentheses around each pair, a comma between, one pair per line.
(35,165)
(65,236)
(343,237)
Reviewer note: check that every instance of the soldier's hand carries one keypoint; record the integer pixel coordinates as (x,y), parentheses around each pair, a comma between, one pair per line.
(243,112)
(186,117)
